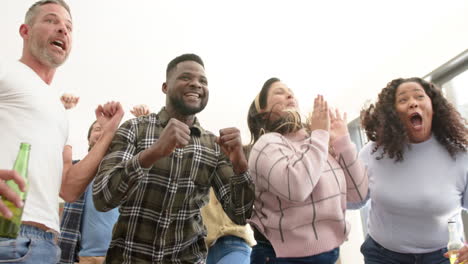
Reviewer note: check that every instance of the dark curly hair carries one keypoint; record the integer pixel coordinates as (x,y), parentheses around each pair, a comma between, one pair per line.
(261,122)
(383,126)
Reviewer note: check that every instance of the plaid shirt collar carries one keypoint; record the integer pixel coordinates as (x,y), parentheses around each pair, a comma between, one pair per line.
(195,129)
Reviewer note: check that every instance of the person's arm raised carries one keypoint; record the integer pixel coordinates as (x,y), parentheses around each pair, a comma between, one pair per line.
(140,110)
(76,177)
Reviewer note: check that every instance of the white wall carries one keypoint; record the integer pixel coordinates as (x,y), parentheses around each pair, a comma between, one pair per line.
(346,50)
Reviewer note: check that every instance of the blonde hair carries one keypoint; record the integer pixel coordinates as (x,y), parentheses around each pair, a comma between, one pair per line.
(261,122)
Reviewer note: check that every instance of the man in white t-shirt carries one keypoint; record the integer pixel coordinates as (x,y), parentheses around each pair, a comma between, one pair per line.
(30,111)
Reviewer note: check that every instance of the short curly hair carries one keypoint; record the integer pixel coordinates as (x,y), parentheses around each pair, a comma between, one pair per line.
(383,126)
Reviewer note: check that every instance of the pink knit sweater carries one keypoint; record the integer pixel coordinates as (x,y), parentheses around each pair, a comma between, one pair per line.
(301,190)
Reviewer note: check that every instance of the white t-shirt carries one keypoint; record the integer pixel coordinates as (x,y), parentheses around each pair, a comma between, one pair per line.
(30,111)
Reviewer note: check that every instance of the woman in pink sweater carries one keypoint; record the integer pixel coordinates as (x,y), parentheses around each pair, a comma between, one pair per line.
(304,175)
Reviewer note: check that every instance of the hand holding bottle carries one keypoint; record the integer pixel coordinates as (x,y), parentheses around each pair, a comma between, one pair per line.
(457,251)
(10,224)
(462,255)
(8,193)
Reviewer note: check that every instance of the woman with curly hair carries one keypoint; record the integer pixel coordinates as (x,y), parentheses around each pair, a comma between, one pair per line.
(304,174)
(417,165)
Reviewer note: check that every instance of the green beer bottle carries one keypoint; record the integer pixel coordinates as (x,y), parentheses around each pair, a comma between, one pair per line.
(11,227)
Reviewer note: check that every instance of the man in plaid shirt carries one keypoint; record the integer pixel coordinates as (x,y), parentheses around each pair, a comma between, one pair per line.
(159,170)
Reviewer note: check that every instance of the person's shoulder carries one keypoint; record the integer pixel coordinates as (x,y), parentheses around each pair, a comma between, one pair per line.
(367,151)
(142,120)
(269,138)
(14,67)
(3,68)
(462,157)
(368,147)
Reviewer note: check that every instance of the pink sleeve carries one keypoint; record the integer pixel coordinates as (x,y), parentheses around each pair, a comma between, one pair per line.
(353,168)
(289,172)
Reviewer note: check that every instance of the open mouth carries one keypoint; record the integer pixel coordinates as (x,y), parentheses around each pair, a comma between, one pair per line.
(416,120)
(58,43)
(192,95)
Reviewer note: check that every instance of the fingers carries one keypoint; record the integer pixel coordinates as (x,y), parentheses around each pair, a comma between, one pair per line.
(180,132)
(182,136)
(5,211)
(230,133)
(229,138)
(320,116)
(99,111)
(69,99)
(67,154)
(140,110)
(332,114)
(109,109)
(336,115)
(13,175)
(320,105)
(463,254)
(8,193)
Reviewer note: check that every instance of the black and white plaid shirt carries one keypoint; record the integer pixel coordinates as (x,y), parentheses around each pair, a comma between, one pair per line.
(160,219)
(70,231)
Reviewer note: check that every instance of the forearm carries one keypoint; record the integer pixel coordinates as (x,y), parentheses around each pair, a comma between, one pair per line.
(288,172)
(78,176)
(353,169)
(356,182)
(116,181)
(240,167)
(239,204)
(149,156)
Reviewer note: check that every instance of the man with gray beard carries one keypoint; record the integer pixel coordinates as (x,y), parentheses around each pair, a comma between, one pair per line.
(30,111)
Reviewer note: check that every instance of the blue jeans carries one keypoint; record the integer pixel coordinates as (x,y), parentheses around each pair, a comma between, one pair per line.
(377,254)
(229,250)
(32,246)
(264,253)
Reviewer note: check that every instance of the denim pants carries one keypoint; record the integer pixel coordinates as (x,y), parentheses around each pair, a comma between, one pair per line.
(32,246)
(264,253)
(229,250)
(377,254)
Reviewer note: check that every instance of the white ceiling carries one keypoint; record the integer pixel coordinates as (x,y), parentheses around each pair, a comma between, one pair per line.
(346,50)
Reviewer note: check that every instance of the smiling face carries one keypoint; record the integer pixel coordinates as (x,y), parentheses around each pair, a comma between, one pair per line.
(48,38)
(414,108)
(280,98)
(186,88)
